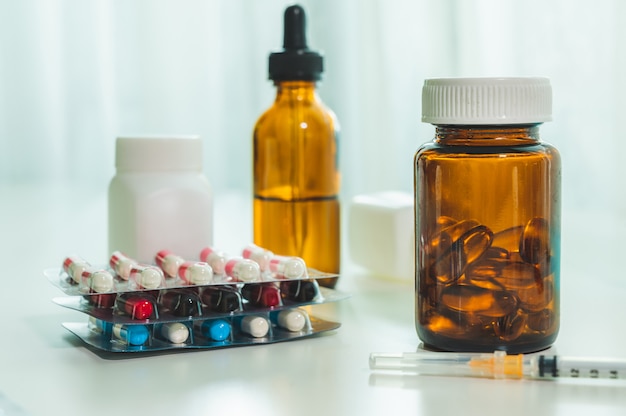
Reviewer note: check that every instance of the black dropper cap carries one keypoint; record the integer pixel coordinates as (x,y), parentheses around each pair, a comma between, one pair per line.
(296,62)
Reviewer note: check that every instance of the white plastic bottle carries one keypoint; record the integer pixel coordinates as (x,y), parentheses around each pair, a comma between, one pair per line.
(159,198)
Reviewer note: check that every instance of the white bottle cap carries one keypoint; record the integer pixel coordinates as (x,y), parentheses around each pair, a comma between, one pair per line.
(180,153)
(475,101)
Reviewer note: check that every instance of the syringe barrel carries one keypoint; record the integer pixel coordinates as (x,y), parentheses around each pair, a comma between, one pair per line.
(578,367)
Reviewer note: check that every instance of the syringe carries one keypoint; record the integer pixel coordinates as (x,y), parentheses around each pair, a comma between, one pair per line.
(499,365)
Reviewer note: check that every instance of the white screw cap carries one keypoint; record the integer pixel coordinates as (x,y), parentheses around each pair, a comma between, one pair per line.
(481,101)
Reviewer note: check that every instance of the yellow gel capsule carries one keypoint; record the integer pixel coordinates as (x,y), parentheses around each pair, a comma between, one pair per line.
(473,299)
(518,275)
(470,246)
(509,239)
(510,327)
(535,241)
(542,321)
(486,268)
(448,235)
(495,252)
(537,297)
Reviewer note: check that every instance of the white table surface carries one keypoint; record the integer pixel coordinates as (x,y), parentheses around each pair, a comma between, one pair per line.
(45,370)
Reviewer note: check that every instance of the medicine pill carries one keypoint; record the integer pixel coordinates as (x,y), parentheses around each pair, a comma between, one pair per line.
(264,295)
(74,266)
(135,335)
(99,281)
(472,299)
(181,302)
(509,239)
(537,297)
(169,262)
(510,327)
(216,329)
(445,325)
(542,321)
(243,270)
(121,264)
(299,290)
(195,273)
(448,235)
(147,277)
(100,326)
(259,255)
(215,258)
(101,300)
(293,320)
(136,306)
(518,275)
(255,326)
(221,298)
(287,267)
(468,247)
(175,332)
(535,242)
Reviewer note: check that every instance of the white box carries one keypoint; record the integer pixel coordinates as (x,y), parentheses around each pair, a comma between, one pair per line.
(381,230)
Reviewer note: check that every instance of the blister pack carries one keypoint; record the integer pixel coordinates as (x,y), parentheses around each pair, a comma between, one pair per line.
(172,303)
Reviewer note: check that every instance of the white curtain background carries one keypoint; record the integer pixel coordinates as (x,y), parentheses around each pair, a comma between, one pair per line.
(76,74)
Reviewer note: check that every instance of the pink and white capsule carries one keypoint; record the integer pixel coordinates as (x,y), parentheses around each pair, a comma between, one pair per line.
(215,258)
(122,264)
(99,281)
(74,266)
(259,255)
(243,270)
(288,267)
(147,277)
(195,273)
(169,262)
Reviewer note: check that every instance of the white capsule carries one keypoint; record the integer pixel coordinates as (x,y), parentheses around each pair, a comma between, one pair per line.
(175,332)
(288,267)
(196,273)
(216,259)
(292,320)
(255,326)
(243,270)
(169,262)
(147,277)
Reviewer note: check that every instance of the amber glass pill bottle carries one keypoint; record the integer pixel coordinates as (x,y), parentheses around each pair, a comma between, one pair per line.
(487,215)
(295,169)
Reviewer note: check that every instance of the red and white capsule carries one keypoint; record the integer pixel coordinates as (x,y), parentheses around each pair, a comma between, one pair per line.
(215,258)
(285,267)
(243,270)
(98,281)
(122,264)
(74,266)
(258,254)
(195,273)
(169,262)
(147,277)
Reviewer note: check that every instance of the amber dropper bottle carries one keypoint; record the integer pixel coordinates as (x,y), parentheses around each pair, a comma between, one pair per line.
(296,175)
